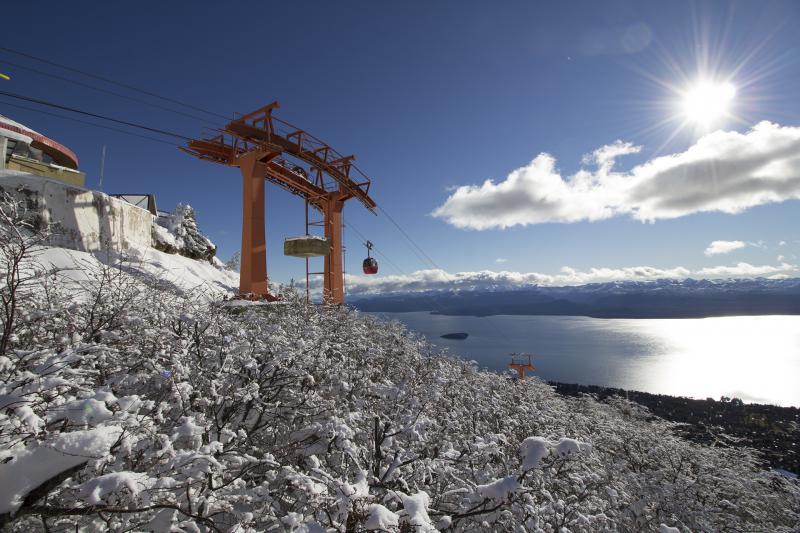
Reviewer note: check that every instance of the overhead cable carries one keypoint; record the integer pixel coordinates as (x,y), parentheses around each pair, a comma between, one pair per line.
(73,119)
(95,115)
(113,82)
(106,91)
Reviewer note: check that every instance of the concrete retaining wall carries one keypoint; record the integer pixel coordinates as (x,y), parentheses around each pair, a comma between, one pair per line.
(87,220)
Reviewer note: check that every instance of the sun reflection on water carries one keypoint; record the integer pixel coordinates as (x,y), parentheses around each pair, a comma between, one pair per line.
(755,359)
(730,356)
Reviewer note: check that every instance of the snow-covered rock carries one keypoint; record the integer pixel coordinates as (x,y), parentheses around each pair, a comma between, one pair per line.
(177,233)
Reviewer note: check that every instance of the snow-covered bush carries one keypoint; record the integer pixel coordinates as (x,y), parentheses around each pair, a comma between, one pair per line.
(22,231)
(235,262)
(177,233)
(125,406)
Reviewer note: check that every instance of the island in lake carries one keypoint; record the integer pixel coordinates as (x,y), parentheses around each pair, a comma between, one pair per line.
(456,336)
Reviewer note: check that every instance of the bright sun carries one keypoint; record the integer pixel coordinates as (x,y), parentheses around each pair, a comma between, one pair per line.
(707,102)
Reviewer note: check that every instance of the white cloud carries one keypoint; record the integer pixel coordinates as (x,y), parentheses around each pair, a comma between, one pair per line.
(501,260)
(723,247)
(743,270)
(605,156)
(424,280)
(782,243)
(723,171)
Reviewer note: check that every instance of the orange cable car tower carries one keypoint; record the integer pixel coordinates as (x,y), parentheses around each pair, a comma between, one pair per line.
(259,145)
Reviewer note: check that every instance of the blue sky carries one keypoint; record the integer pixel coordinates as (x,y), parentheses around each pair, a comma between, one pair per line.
(432,96)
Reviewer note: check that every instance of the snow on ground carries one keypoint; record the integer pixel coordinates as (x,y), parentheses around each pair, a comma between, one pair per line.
(181,272)
(25,468)
(170,248)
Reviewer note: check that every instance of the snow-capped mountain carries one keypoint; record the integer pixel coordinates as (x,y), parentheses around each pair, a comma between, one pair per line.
(664,298)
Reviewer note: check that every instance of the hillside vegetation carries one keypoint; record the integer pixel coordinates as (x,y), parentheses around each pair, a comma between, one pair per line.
(130,405)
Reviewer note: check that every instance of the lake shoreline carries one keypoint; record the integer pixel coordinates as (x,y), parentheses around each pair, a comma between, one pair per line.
(772,430)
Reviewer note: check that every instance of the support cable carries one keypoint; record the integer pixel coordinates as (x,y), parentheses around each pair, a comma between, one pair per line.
(95,115)
(416,248)
(86,122)
(112,82)
(376,250)
(106,91)
(432,298)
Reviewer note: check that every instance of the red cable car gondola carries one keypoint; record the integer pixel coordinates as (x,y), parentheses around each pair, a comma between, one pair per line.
(370,264)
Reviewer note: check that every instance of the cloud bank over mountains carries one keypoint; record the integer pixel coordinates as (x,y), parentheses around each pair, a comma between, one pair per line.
(724,171)
(435,279)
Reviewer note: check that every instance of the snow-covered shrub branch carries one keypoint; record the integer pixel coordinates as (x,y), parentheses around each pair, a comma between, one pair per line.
(21,232)
(125,406)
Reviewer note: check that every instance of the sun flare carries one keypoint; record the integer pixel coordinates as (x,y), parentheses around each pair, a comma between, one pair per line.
(707,102)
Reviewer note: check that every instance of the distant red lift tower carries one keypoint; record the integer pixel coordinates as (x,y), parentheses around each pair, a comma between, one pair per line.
(518,363)
(258,144)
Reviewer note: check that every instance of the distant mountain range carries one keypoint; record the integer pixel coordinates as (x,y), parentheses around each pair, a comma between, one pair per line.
(666,298)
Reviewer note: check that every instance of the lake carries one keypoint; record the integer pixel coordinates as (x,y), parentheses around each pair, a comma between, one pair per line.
(755,358)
